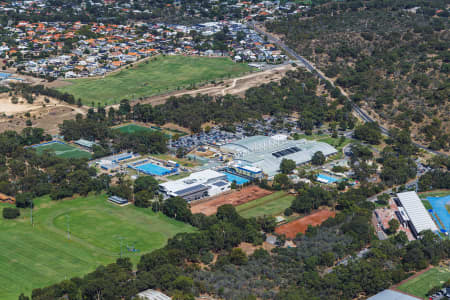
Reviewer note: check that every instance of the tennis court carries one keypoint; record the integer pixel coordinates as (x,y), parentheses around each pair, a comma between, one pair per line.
(152,169)
(62,150)
(439,208)
(239,180)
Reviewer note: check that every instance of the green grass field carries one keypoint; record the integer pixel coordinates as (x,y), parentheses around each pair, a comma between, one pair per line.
(270,205)
(40,256)
(158,76)
(64,150)
(132,128)
(427,204)
(420,285)
(436,193)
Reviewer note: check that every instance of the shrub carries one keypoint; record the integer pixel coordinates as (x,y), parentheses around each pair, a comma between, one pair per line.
(288,211)
(11,212)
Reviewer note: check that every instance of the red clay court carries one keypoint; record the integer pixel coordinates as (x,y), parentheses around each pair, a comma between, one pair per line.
(246,194)
(292,228)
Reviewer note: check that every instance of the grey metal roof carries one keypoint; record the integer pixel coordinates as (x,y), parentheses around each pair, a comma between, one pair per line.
(392,295)
(153,295)
(417,213)
(258,151)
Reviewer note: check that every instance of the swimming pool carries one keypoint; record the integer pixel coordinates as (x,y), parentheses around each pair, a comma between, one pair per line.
(438,204)
(152,169)
(239,180)
(326,178)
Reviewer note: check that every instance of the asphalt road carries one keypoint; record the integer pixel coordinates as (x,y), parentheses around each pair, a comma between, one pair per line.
(363,115)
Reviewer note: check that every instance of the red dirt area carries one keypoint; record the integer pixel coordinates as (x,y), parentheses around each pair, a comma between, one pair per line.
(292,228)
(247,194)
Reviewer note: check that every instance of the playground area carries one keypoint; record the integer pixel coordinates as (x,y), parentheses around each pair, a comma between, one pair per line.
(291,229)
(439,212)
(62,150)
(247,194)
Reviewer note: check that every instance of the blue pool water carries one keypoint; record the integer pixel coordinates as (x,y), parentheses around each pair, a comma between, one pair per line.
(327,178)
(239,180)
(438,204)
(151,169)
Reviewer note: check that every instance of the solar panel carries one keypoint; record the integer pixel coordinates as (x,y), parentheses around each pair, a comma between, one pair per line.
(192,189)
(220,183)
(285,152)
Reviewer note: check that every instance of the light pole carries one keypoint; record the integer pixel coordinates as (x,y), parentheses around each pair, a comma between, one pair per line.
(68,226)
(31,212)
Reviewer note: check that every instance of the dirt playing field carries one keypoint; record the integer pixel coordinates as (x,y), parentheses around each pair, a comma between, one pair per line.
(291,229)
(247,194)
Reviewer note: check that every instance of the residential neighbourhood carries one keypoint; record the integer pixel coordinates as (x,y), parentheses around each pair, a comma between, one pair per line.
(224,149)
(75,49)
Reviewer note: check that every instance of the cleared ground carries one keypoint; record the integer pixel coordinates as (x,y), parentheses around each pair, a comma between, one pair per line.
(63,150)
(420,285)
(291,229)
(270,205)
(159,75)
(43,255)
(235,198)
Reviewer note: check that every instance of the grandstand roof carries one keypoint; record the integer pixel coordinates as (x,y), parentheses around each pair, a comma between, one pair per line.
(85,143)
(267,153)
(153,295)
(417,213)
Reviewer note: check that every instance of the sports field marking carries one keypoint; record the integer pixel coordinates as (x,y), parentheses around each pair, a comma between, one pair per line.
(132,128)
(33,257)
(420,285)
(62,150)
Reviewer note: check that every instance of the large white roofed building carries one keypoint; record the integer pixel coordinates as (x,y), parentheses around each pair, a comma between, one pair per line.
(267,153)
(418,215)
(198,185)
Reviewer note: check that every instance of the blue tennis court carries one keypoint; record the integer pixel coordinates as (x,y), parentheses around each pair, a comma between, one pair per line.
(438,204)
(239,180)
(152,169)
(327,179)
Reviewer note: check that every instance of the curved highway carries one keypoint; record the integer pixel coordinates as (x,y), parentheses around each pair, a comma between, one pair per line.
(362,114)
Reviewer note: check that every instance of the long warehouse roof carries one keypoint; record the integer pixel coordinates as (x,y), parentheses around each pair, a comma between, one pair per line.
(417,213)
